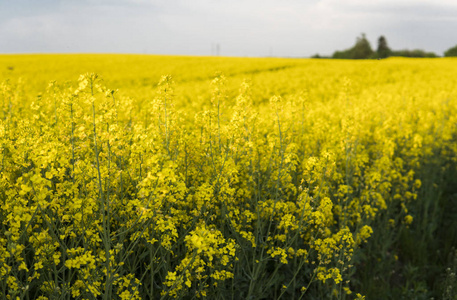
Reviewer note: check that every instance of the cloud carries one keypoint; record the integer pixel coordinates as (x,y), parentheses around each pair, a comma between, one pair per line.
(241,27)
(402,9)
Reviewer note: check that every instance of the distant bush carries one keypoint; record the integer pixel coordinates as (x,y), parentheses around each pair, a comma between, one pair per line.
(413,53)
(317,55)
(451,51)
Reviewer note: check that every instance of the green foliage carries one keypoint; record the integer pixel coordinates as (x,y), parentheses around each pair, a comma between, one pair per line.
(451,52)
(450,284)
(361,50)
(413,53)
(383,50)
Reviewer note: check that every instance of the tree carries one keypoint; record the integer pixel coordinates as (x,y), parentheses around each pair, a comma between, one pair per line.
(383,49)
(451,52)
(361,50)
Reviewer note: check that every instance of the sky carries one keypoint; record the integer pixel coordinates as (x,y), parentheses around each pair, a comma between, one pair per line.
(283,28)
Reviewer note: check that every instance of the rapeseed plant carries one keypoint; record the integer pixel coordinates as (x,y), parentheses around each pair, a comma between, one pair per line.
(106,195)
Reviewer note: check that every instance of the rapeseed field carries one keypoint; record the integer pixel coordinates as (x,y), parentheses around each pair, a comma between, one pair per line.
(160,177)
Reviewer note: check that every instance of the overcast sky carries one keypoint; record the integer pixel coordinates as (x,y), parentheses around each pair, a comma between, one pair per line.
(290,28)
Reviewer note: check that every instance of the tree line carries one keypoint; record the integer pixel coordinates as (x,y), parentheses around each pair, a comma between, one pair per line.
(362,50)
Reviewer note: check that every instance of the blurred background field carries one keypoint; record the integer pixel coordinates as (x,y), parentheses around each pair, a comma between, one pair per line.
(136,75)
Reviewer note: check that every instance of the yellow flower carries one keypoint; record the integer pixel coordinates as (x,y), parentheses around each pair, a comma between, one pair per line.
(408,219)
